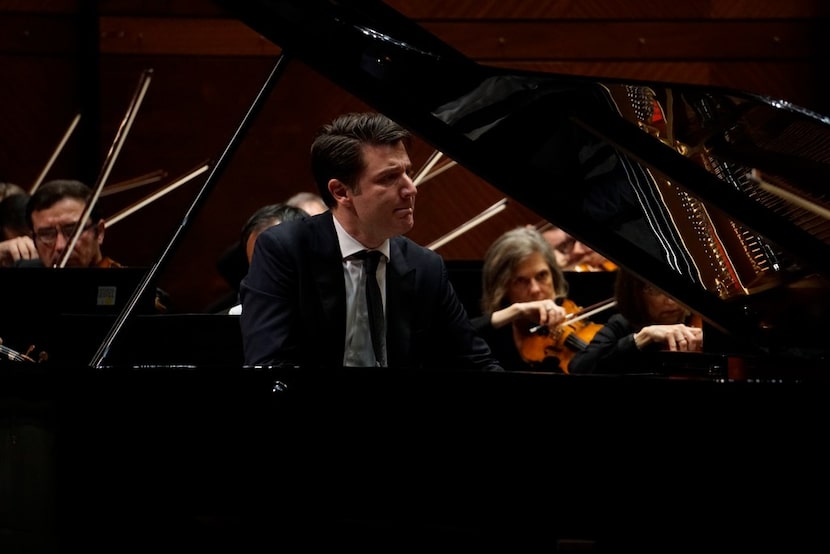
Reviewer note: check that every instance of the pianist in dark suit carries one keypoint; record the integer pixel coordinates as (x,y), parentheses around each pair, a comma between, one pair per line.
(648,320)
(303,300)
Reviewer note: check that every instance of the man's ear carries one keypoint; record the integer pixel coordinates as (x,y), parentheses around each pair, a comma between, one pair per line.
(339,191)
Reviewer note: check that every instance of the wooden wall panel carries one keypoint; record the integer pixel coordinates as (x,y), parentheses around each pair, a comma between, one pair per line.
(41,93)
(640,40)
(606,9)
(165,36)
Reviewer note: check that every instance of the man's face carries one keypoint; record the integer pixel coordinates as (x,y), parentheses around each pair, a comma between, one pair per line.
(569,252)
(384,198)
(52,223)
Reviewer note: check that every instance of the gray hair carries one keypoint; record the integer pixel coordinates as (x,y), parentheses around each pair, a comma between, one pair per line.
(501,259)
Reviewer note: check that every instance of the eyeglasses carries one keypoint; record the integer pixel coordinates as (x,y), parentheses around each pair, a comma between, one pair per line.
(49,235)
(566,246)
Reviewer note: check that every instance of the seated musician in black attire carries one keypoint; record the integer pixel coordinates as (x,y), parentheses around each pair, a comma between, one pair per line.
(306,300)
(521,284)
(648,320)
(264,217)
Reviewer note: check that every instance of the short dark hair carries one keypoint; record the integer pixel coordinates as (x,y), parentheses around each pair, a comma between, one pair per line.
(13,214)
(269,215)
(337,150)
(51,192)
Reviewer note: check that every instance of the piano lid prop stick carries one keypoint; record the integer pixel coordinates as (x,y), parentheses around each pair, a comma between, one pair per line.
(140,181)
(464,227)
(120,137)
(790,197)
(101,354)
(55,154)
(156,195)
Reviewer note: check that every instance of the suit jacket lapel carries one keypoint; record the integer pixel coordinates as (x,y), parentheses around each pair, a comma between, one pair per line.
(400,287)
(327,276)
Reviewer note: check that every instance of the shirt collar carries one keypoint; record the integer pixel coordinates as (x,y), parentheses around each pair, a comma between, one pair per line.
(350,246)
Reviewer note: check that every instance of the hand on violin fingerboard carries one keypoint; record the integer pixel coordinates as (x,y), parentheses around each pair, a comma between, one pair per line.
(542,312)
(675,338)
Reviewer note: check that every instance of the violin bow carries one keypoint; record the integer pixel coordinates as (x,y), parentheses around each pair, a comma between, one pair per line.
(156,195)
(55,154)
(135,182)
(584,313)
(464,227)
(426,172)
(115,149)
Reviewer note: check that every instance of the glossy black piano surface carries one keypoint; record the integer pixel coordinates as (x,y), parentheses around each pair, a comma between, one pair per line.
(230,460)
(166,447)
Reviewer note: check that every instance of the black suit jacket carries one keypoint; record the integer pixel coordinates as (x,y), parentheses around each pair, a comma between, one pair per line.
(294,304)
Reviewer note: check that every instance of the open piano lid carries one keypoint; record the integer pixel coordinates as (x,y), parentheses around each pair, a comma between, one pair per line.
(714,195)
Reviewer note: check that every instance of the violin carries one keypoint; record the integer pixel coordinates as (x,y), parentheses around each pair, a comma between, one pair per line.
(15,356)
(606,265)
(562,342)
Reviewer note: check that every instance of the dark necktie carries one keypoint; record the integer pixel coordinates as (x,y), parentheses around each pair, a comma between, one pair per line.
(374,303)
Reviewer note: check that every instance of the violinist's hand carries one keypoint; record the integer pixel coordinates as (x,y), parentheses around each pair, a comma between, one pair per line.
(676,338)
(543,312)
(547,312)
(18,248)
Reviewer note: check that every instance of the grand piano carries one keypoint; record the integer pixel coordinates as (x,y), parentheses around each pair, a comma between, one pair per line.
(715,196)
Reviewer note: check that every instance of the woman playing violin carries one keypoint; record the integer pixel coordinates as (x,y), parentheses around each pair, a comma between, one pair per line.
(521,283)
(648,320)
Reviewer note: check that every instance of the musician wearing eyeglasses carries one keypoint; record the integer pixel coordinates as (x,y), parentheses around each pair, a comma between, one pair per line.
(572,255)
(54,212)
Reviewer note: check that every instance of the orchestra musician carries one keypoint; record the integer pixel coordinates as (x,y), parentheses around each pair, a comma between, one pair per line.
(309,202)
(303,296)
(648,320)
(15,243)
(574,255)
(522,286)
(266,216)
(10,189)
(53,213)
